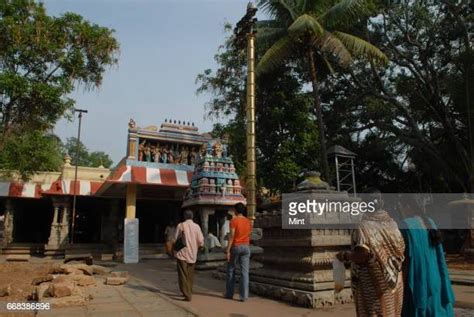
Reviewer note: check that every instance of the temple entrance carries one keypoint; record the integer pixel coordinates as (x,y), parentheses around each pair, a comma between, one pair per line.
(88,219)
(32,220)
(154,216)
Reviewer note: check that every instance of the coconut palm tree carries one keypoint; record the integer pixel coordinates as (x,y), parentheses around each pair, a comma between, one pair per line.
(311,30)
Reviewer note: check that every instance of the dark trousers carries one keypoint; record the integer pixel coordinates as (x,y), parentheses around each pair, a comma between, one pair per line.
(186,278)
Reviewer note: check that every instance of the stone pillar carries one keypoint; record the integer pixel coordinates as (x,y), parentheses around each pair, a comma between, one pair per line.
(59,234)
(64,227)
(204,213)
(54,232)
(131,203)
(8,222)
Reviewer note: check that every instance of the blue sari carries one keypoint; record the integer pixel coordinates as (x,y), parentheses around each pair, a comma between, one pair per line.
(428,290)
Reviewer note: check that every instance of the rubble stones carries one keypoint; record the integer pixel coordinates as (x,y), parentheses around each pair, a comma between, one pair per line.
(116,280)
(42,291)
(101,270)
(42,279)
(123,274)
(86,269)
(5,290)
(83,280)
(74,300)
(61,289)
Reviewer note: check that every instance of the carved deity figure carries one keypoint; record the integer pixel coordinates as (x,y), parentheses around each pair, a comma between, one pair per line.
(156,154)
(212,186)
(237,188)
(141,151)
(164,154)
(148,153)
(184,155)
(192,156)
(230,187)
(217,150)
(203,151)
(132,124)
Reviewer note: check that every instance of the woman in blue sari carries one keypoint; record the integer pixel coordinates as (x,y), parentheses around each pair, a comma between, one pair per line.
(428,290)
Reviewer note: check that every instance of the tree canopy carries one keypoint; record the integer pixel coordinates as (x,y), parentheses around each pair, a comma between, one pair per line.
(409,122)
(43,59)
(85,157)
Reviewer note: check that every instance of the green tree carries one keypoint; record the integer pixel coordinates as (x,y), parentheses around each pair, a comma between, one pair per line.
(42,59)
(99,158)
(313,31)
(418,110)
(86,158)
(30,152)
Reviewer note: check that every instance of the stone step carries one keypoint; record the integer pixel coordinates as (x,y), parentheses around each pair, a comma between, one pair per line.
(18,257)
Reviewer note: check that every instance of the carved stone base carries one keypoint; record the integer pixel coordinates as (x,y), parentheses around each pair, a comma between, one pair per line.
(318,299)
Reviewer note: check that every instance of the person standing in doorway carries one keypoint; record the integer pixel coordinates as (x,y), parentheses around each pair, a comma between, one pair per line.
(192,239)
(170,232)
(225,230)
(238,251)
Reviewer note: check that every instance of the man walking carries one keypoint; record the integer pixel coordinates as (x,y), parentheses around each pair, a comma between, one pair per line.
(238,251)
(192,238)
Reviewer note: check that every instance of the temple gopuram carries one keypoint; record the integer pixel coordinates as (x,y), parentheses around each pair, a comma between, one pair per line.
(149,183)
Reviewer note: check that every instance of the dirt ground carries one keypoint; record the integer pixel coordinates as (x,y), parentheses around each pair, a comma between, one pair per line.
(458,262)
(19,277)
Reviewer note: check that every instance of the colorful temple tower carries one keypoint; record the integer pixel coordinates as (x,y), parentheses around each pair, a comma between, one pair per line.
(215,188)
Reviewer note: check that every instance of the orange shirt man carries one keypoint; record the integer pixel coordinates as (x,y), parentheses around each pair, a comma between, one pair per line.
(238,251)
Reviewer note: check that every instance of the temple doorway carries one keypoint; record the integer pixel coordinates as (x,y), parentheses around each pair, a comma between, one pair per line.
(88,219)
(154,216)
(32,220)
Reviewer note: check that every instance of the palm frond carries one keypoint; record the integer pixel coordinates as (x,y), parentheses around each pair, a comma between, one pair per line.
(361,48)
(303,24)
(275,55)
(343,11)
(269,30)
(328,65)
(330,44)
(279,8)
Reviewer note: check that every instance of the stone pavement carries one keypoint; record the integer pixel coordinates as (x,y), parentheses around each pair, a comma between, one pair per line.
(129,300)
(208,300)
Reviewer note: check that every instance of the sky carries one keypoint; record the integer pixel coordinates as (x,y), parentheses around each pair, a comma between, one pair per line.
(164,45)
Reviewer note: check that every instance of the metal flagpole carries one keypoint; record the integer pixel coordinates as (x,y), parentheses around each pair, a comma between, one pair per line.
(244,31)
(73,223)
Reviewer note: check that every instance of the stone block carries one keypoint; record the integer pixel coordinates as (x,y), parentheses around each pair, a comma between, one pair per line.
(86,269)
(83,280)
(5,290)
(42,279)
(119,274)
(116,280)
(99,269)
(61,289)
(74,300)
(42,291)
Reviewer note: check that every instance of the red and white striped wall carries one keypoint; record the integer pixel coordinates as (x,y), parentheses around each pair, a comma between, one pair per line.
(59,187)
(152,176)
